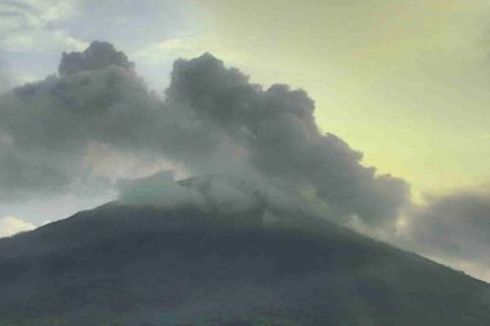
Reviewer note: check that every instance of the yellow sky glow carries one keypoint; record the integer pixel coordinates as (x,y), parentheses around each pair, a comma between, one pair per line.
(406,82)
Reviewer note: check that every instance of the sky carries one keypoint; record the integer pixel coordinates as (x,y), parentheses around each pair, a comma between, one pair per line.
(413,75)
(406,83)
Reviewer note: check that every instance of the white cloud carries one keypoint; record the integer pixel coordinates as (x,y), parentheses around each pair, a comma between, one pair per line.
(183,47)
(35,32)
(11,225)
(169,50)
(36,13)
(42,40)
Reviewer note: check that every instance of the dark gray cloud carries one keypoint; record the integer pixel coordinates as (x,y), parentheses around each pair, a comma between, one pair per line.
(97,56)
(276,130)
(212,121)
(47,127)
(455,226)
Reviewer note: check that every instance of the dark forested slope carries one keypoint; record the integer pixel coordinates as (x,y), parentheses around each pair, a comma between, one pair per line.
(120,265)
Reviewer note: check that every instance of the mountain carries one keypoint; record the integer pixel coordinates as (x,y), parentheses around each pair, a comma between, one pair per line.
(135,265)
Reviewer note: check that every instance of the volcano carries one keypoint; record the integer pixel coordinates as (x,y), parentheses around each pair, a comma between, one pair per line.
(141,265)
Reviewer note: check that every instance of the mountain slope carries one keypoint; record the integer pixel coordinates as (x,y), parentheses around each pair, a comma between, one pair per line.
(121,265)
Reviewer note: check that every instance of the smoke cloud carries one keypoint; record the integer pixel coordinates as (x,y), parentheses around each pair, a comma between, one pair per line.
(160,188)
(454,228)
(212,121)
(274,130)
(98,56)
